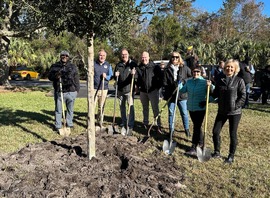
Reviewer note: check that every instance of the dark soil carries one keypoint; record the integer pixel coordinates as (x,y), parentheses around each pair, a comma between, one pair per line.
(61,168)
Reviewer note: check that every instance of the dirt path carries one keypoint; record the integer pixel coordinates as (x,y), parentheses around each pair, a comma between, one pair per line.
(61,169)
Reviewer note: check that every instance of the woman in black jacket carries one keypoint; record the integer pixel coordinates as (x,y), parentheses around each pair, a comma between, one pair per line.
(231,93)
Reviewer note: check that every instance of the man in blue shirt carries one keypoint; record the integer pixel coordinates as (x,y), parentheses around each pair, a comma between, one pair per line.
(102,75)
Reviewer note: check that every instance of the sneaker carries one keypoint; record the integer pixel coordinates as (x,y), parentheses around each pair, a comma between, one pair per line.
(229,160)
(216,154)
(191,152)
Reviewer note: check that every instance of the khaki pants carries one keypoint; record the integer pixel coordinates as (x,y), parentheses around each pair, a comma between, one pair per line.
(100,99)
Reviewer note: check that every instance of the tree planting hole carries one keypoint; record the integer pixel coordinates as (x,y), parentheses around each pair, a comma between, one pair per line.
(124,164)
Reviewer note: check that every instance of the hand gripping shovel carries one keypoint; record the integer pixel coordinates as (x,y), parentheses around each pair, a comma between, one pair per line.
(204,154)
(128,131)
(168,148)
(112,128)
(64,131)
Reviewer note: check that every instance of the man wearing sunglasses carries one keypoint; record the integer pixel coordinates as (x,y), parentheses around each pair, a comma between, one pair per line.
(67,73)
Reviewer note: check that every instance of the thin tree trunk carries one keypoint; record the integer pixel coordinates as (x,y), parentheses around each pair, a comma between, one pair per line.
(90,99)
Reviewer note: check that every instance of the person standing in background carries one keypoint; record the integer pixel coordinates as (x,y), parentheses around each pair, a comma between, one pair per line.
(191,58)
(246,74)
(265,82)
(216,71)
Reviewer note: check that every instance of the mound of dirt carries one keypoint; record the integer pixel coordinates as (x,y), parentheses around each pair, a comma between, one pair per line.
(61,168)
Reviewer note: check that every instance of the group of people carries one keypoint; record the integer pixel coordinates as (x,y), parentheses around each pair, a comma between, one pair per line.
(228,89)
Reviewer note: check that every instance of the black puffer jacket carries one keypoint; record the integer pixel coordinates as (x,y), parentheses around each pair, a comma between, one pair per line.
(149,77)
(125,77)
(231,95)
(243,73)
(69,75)
(170,84)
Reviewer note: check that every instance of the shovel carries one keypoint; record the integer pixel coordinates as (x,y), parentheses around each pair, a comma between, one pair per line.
(112,128)
(145,138)
(167,147)
(64,131)
(103,102)
(127,131)
(204,154)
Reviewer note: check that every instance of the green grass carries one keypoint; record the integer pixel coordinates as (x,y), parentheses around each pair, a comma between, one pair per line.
(28,118)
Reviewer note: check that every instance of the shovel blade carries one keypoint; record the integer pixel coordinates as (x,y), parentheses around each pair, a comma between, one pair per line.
(123,131)
(165,146)
(64,131)
(110,130)
(203,154)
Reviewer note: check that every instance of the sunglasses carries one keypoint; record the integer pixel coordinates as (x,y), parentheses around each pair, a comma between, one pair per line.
(196,71)
(176,57)
(64,55)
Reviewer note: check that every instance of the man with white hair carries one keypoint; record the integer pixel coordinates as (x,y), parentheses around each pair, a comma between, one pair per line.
(149,82)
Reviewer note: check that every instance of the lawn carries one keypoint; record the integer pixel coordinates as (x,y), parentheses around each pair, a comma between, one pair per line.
(28,117)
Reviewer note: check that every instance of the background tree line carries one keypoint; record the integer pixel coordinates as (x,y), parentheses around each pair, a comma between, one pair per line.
(238,28)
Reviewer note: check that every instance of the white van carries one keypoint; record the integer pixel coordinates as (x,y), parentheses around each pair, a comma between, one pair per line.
(157,62)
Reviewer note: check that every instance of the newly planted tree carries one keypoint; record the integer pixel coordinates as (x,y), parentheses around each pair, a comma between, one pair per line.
(89,19)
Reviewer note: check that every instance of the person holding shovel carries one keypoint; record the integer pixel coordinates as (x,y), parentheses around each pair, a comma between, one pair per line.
(102,75)
(125,70)
(176,71)
(196,88)
(66,73)
(149,82)
(231,93)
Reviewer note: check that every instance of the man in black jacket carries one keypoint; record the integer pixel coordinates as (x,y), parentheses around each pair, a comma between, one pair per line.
(125,70)
(67,72)
(149,83)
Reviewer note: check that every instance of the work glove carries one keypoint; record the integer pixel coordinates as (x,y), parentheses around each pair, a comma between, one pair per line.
(58,74)
(202,104)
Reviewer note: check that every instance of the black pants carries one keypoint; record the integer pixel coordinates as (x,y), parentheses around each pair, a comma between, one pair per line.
(197,119)
(233,125)
(265,93)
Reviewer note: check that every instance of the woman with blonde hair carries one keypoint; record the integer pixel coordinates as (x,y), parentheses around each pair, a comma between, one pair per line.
(231,93)
(176,72)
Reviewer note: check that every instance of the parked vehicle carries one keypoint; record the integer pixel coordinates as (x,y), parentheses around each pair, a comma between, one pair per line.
(21,73)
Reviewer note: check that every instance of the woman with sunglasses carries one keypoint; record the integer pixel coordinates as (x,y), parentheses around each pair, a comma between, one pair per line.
(231,93)
(196,88)
(174,72)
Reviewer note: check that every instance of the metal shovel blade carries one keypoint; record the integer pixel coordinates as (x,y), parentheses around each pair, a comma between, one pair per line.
(64,131)
(203,154)
(165,146)
(112,129)
(123,131)
(171,148)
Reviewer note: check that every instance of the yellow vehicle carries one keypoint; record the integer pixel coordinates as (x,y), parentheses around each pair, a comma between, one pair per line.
(21,73)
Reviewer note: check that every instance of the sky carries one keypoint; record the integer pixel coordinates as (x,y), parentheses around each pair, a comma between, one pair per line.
(215,5)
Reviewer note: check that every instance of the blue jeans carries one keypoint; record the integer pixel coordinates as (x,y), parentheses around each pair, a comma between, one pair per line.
(182,106)
(123,98)
(69,99)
